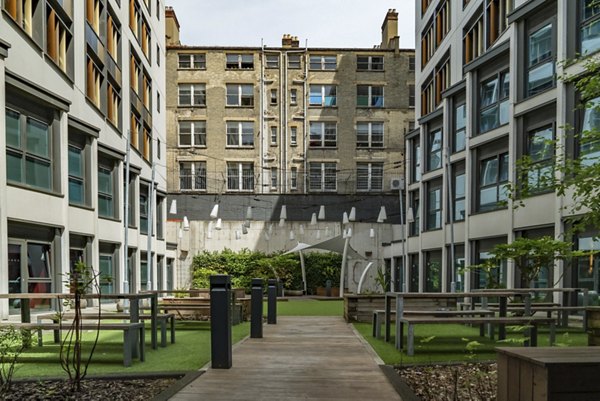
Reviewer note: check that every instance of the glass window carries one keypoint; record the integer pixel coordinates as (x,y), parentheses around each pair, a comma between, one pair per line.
(369,135)
(433,271)
(293,96)
(240,95)
(294,61)
(589,144)
(369,96)
(240,133)
(143,210)
(192,94)
(273,97)
(239,61)
(369,177)
(272,61)
(460,119)
(192,133)
(76,176)
(492,182)
(588,267)
(323,62)
(459,195)
(192,61)
(28,151)
(274,178)
(107,274)
(273,135)
(494,102)
(323,134)
(293,135)
(105,192)
(323,176)
(589,26)
(540,63)
(416,165)
(369,63)
(192,176)
(323,95)
(294,178)
(240,176)
(434,159)
(540,149)
(414,227)
(434,206)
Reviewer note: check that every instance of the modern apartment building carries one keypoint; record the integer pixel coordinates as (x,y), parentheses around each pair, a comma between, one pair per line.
(489,94)
(82,85)
(292,125)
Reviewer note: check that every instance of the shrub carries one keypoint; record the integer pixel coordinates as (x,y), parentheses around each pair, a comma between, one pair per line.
(245,265)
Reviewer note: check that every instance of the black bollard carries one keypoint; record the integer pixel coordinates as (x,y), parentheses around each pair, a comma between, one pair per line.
(220,321)
(328,288)
(256,308)
(272,301)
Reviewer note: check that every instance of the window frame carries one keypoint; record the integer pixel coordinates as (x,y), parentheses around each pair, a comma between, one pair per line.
(371,142)
(374,181)
(243,184)
(193,134)
(498,184)
(239,143)
(236,92)
(110,167)
(320,62)
(431,152)
(239,64)
(431,225)
(497,101)
(319,174)
(456,130)
(541,62)
(320,139)
(370,97)
(585,23)
(324,99)
(458,170)
(194,64)
(200,87)
(369,64)
(196,174)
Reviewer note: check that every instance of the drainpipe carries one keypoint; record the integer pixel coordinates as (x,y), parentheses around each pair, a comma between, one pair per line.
(262,117)
(126,217)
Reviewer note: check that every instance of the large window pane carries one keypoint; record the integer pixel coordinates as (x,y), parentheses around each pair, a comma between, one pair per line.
(14,167)
(13,133)
(38,141)
(38,173)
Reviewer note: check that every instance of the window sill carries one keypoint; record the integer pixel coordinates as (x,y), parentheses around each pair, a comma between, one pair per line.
(323,148)
(239,147)
(112,124)
(191,146)
(370,148)
(239,69)
(357,70)
(191,106)
(488,211)
(191,69)
(321,70)
(479,133)
(109,218)
(370,107)
(34,189)
(430,230)
(84,207)
(318,106)
(233,106)
(529,97)
(191,191)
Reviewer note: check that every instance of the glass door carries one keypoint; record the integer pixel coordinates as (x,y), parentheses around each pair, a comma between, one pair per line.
(39,279)
(15,278)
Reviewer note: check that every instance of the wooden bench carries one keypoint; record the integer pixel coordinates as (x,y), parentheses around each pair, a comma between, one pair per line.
(562,312)
(133,334)
(163,319)
(379,316)
(532,321)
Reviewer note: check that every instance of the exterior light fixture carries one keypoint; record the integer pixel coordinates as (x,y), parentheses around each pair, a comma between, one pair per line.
(215,211)
(173,208)
(382,215)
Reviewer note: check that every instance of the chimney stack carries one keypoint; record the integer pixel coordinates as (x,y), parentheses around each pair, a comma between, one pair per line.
(171,27)
(389,31)
(289,41)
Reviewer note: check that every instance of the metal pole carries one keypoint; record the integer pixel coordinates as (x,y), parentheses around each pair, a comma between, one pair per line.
(126,217)
(344,262)
(272,301)
(451,209)
(403,239)
(150,228)
(220,321)
(256,308)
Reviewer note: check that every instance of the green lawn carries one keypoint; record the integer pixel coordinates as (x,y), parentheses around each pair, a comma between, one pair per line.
(190,352)
(309,307)
(443,343)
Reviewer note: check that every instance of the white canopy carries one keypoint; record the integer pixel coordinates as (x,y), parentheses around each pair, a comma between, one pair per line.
(335,244)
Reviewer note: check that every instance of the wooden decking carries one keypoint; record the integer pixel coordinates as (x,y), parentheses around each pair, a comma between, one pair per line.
(300,358)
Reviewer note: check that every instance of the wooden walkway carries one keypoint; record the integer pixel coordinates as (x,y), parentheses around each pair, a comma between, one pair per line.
(300,358)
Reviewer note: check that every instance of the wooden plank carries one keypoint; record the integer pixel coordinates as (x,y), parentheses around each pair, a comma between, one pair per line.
(540,384)
(526,381)
(503,383)
(513,378)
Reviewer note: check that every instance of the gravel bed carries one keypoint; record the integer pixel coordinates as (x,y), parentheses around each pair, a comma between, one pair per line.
(91,389)
(464,382)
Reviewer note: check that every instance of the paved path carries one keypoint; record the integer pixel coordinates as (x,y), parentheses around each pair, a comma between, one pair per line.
(300,358)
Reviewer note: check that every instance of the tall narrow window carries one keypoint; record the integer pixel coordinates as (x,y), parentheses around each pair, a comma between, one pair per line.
(589,27)
(293,97)
(434,205)
(76,175)
(414,204)
(274,178)
(459,192)
(293,136)
(144,210)
(106,207)
(589,145)
(273,100)
(493,180)
(58,39)
(460,127)
(192,176)
(94,83)
(294,178)
(416,162)
(540,60)
(240,176)
(493,101)
(323,176)
(434,154)
(274,135)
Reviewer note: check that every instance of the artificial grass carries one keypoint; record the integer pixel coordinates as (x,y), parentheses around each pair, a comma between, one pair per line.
(309,307)
(449,343)
(191,351)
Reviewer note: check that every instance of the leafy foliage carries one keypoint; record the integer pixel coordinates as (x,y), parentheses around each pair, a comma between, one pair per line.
(11,346)
(576,177)
(245,265)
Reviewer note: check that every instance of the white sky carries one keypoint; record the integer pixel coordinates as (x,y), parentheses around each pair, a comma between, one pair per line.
(325,23)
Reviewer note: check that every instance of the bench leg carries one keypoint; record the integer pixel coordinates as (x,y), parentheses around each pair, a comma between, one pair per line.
(142,343)
(172,329)
(399,330)
(552,334)
(163,333)
(411,340)
(40,340)
(375,325)
(533,335)
(127,354)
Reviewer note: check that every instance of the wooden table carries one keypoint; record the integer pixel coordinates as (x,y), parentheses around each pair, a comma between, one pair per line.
(134,302)
(548,373)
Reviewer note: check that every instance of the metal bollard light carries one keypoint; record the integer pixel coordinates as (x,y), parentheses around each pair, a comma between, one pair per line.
(272,301)
(256,308)
(220,321)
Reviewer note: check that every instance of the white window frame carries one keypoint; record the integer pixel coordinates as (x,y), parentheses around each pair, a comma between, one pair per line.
(239,166)
(318,182)
(370,177)
(192,133)
(370,96)
(198,87)
(323,141)
(369,63)
(197,172)
(237,90)
(370,143)
(322,62)
(240,134)
(322,101)
(197,61)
